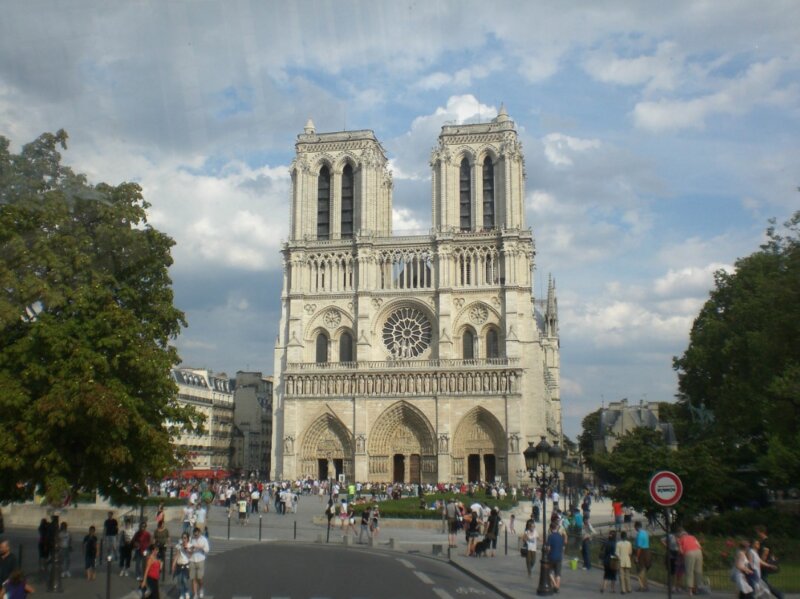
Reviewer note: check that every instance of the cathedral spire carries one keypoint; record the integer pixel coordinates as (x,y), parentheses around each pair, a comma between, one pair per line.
(309,129)
(551,313)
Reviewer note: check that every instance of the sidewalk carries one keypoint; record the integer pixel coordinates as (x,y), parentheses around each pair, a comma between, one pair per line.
(504,573)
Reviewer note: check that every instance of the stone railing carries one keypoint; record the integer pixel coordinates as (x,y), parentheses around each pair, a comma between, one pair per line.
(439,364)
(407,382)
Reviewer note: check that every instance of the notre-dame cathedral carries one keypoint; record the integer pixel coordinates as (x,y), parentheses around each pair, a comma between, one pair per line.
(412,358)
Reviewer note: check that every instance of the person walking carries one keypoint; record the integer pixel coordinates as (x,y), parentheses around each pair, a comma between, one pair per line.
(65,542)
(692,553)
(161,538)
(642,554)
(90,553)
(586,547)
(8,561)
(141,541)
(110,534)
(555,554)
(180,567)
(152,572)
(743,572)
(624,552)
(473,531)
(493,523)
(126,547)
(366,516)
(16,587)
(530,539)
(197,565)
(451,515)
(769,560)
(610,562)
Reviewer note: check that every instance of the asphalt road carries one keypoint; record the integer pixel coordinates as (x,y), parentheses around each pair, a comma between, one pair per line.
(283,570)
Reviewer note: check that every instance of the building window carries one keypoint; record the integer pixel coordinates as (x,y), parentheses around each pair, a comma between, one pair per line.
(468,341)
(488,193)
(347,202)
(322,348)
(346,348)
(465,195)
(324,204)
(492,344)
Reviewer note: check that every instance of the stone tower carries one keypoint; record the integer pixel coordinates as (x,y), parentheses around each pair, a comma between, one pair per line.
(416,358)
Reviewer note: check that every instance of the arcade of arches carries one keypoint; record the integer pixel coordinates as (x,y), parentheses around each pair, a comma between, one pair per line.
(403,446)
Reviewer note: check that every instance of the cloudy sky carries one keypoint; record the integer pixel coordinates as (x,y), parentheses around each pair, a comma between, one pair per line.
(658,137)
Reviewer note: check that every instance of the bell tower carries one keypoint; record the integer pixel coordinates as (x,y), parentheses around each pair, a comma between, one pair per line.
(478,177)
(341,186)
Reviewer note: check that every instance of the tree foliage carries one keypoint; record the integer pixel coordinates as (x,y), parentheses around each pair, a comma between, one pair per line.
(743,359)
(590,428)
(642,452)
(86,319)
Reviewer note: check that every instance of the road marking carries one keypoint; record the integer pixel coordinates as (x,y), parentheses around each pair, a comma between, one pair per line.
(405,562)
(442,593)
(469,591)
(423,577)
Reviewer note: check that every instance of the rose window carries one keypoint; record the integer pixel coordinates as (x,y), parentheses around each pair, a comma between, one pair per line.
(407,333)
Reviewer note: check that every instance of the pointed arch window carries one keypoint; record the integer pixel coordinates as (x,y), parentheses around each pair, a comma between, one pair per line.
(322,348)
(492,344)
(465,195)
(488,193)
(346,348)
(324,203)
(468,342)
(347,202)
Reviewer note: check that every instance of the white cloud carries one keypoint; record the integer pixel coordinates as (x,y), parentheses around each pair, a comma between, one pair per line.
(404,222)
(659,71)
(734,97)
(689,281)
(560,148)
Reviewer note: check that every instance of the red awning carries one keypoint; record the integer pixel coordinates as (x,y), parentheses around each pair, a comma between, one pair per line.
(205,473)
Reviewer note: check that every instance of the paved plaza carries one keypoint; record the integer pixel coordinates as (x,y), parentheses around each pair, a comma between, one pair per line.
(406,550)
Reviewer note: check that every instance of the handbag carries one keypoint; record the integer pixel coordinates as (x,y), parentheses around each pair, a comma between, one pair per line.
(523,550)
(613,563)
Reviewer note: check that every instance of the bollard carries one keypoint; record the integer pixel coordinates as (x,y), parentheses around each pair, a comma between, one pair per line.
(259,528)
(229,526)
(506,541)
(108,577)
(295,530)
(167,565)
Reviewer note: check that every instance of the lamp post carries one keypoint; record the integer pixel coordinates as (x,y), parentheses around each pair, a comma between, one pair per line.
(543,463)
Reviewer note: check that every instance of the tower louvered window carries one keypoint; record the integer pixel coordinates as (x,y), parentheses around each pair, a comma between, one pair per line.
(468,347)
(465,194)
(347,202)
(488,194)
(321,349)
(324,204)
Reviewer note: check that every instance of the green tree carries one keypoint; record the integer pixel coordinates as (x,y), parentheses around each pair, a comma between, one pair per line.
(590,428)
(86,319)
(743,359)
(642,452)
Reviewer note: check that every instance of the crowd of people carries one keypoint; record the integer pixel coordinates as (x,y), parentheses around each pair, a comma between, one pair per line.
(625,550)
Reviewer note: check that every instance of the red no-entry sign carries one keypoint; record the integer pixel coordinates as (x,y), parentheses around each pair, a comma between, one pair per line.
(666,488)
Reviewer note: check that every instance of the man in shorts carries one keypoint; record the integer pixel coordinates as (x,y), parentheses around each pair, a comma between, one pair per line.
(198,550)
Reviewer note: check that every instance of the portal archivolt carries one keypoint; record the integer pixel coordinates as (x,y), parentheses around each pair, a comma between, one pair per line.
(402,446)
(327,448)
(479,447)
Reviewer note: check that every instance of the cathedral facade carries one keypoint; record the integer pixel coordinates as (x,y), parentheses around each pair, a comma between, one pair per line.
(412,358)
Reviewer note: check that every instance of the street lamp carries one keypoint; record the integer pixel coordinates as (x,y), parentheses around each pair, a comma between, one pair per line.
(543,463)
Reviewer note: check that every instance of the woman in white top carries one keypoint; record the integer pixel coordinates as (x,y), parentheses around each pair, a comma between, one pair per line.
(742,569)
(180,566)
(531,539)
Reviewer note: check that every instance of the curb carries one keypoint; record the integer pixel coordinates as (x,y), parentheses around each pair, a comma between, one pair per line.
(480,579)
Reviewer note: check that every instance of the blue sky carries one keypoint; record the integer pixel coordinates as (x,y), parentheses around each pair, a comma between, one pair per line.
(659,138)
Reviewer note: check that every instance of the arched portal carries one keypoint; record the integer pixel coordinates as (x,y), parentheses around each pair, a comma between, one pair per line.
(402,446)
(327,449)
(479,447)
